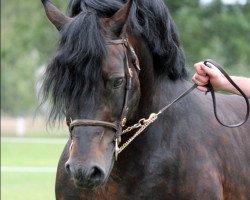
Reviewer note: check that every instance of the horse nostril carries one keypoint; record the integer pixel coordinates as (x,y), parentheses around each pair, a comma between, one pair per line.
(67,167)
(96,174)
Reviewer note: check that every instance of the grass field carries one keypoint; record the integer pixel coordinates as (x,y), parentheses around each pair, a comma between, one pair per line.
(28,167)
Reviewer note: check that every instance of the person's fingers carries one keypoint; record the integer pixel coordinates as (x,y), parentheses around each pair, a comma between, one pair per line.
(199,83)
(199,68)
(202,88)
(211,72)
(201,79)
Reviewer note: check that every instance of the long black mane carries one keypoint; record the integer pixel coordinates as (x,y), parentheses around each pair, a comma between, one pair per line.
(74,72)
(151,20)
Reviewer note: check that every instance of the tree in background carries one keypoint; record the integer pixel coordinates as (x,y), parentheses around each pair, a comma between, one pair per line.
(216,30)
(28,41)
(213,30)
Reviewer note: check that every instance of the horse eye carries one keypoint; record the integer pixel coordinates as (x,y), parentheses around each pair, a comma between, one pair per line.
(117,82)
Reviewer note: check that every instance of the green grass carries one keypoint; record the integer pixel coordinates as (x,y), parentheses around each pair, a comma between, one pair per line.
(26,154)
(48,134)
(27,185)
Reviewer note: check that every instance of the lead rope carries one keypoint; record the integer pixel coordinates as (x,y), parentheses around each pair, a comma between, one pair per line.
(144,123)
(208,63)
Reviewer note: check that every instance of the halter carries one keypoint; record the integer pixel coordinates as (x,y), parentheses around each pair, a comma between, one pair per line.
(144,123)
(128,75)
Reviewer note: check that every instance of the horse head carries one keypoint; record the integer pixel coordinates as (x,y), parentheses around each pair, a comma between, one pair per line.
(94,76)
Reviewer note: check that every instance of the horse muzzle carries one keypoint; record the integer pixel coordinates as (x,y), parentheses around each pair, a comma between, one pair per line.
(89,176)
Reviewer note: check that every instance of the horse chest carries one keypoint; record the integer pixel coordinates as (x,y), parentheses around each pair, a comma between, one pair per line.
(147,180)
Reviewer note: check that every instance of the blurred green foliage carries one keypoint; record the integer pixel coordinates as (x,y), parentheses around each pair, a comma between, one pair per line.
(217,31)
(27,42)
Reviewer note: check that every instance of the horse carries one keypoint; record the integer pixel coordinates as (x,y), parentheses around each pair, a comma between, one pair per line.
(117,62)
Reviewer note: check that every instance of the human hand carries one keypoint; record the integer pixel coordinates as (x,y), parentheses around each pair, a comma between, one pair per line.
(205,74)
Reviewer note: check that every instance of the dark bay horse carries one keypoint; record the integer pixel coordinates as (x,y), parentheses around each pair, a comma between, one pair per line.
(117,63)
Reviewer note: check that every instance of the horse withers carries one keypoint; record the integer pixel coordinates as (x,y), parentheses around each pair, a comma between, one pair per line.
(117,64)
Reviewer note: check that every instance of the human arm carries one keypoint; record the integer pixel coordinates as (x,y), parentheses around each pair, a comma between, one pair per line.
(219,82)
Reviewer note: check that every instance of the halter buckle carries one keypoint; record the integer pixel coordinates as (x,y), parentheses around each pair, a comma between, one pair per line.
(117,149)
(68,121)
(130,72)
(124,120)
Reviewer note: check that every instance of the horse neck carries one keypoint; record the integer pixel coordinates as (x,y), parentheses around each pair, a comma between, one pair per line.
(161,93)
(167,90)
(156,92)
(159,135)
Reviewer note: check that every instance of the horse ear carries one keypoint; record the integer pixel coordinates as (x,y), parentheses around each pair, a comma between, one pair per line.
(54,15)
(118,20)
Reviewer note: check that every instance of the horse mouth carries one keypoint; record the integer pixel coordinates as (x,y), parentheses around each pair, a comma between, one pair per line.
(87,185)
